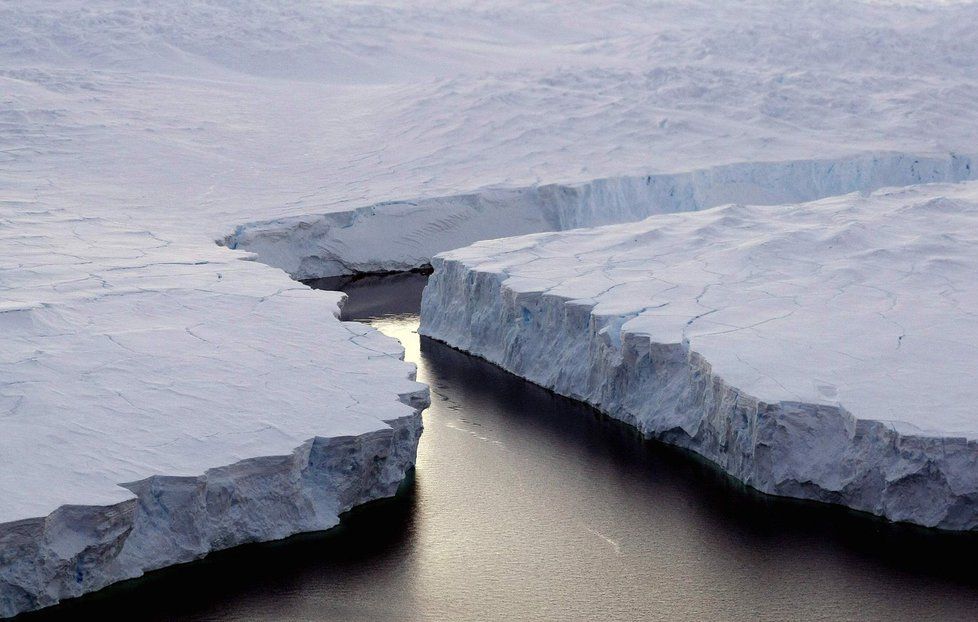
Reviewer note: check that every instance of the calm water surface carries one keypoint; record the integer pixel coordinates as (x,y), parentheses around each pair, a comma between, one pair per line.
(527,506)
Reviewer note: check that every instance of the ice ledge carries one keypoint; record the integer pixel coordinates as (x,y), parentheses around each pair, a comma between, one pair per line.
(618,317)
(170,520)
(403,235)
(160,399)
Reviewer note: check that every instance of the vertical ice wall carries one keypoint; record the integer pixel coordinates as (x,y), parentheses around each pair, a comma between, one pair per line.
(821,351)
(405,235)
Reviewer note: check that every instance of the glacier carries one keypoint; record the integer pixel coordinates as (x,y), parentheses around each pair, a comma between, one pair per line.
(162,395)
(820,350)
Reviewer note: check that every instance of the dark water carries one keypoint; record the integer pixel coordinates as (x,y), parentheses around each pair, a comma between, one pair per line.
(526,506)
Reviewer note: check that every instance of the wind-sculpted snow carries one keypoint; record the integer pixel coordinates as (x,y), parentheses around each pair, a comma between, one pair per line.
(823,350)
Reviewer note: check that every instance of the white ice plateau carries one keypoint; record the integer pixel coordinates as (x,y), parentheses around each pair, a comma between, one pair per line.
(160,401)
(153,383)
(821,350)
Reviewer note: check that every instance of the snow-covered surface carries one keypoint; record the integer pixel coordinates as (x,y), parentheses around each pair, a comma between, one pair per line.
(209,114)
(414,231)
(369,135)
(824,350)
(161,399)
(152,358)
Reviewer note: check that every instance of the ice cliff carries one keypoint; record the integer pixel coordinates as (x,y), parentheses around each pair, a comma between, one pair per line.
(160,400)
(160,397)
(820,350)
(404,235)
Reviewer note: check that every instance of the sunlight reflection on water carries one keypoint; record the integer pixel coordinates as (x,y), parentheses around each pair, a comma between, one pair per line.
(527,506)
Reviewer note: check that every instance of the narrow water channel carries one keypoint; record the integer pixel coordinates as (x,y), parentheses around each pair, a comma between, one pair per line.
(527,506)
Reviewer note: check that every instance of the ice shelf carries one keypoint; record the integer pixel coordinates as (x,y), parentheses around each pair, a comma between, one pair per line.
(347,242)
(822,350)
(160,397)
(160,400)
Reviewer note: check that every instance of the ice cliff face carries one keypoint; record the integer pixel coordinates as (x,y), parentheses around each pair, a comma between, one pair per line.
(139,361)
(820,351)
(173,519)
(160,400)
(411,232)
